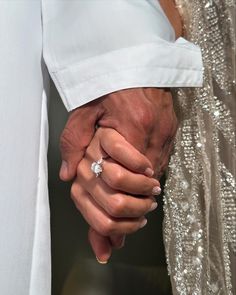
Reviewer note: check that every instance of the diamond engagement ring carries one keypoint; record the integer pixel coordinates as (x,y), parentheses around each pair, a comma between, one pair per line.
(96,167)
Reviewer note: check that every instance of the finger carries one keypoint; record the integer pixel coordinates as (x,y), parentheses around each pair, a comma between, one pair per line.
(123,152)
(167,148)
(97,218)
(119,178)
(114,203)
(165,158)
(117,241)
(75,138)
(101,246)
(159,152)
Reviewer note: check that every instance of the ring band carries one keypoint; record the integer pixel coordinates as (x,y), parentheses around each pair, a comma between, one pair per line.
(96,167)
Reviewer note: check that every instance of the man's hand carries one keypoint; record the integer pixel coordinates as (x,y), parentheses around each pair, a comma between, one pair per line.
(143,116)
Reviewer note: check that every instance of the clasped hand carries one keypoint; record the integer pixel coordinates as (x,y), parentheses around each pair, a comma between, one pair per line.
(116,202)
(137,128)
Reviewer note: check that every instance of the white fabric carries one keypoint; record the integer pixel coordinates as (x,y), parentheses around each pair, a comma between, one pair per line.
(24,208)
(40,280)
(95,47)
(85,44)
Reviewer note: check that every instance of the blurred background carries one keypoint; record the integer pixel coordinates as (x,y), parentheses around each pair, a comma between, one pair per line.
(138,268)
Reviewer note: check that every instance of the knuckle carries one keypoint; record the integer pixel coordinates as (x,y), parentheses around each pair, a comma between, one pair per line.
(146,118)
(107,228)
(71,140)
(117,147)
(117,206)
(116,179)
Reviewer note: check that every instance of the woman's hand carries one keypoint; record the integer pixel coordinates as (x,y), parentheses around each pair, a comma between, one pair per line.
(116,202)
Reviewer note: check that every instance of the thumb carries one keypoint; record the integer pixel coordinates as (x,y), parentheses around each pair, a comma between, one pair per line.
(75,138)
(101,246)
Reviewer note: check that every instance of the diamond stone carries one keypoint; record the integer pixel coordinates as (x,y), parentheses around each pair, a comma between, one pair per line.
(96,168)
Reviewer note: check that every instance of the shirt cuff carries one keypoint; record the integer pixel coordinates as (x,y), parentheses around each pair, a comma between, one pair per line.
(162,64)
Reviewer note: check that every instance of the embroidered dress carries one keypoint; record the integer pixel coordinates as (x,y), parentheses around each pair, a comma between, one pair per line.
(200,201)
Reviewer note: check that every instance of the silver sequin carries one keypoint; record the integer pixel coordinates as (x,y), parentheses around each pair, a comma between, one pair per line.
(200,194)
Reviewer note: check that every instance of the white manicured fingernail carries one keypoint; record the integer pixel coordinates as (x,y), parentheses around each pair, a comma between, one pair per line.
(156,190)
(143,223)
(153,206)
(101,262)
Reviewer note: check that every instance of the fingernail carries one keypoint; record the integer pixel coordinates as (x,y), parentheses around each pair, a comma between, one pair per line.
(101,262)
(153,206)
(156,190)
(149,172)
(64,168)
(143,223)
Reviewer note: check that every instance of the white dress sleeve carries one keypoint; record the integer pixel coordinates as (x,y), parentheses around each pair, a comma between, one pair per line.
(95,47)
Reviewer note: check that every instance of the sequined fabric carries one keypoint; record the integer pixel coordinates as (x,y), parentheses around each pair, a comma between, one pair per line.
(200,200)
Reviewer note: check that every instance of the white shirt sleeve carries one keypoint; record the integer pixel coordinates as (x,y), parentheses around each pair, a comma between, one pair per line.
(95,47)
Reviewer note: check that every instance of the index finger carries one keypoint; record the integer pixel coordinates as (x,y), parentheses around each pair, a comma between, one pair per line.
(120,150)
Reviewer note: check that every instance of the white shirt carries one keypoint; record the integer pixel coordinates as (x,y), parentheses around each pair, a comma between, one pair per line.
(95,47)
